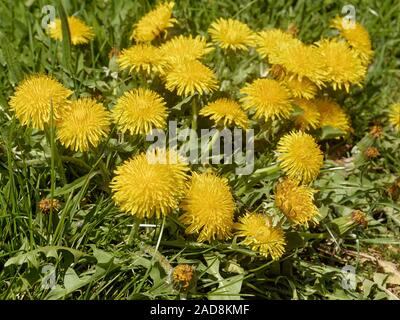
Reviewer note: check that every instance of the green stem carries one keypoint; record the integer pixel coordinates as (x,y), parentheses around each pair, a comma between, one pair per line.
(53,170)
(134,232)
(139,287)
(267,171)
(194,113)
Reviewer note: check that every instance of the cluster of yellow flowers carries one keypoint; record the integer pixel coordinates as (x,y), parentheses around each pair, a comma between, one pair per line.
(145,185)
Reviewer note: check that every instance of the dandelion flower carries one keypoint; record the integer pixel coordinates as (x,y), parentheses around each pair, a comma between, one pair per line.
(372,152)
(139,111)
(33,97)
(303,88)
(309,119)
(260,235)
(231,34)
(189,77)
(83,124)
(331,114)
(341,64)
(300,157)
(47,205)
(184,48)
(183,275)
(80,32)
(376,131)
(150,184)
(226,112)
(301,61)
(357,37)
(154,23)
(208,207)
(394,116)
(141,57)
(296,202)
(268,98)
(271,42)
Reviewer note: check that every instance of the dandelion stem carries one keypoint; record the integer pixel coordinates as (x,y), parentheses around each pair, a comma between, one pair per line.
(194,113)
(134,232)
(267,171)
(53,171)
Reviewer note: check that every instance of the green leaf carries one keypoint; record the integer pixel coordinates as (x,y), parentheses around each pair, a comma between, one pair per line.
(76,184)
(328,132)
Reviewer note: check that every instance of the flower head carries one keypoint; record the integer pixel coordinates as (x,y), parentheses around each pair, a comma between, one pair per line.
(154,23)
(296,202)
(300,157)
(309,118)
(139,111)
(260,235)
(268,98)
(189,77)
(359,218)
(303,88)
(394,116)
(299,61)
(208,207)
(231,34)
(332,115)
(183,276)
(184,48)
(226,112)
(357,37)
(376,131)
(34,97)
(80,32)
(83,124)
(141,57)
(271,42)
(47,205)
(371,152)
(150,184)
(342,65)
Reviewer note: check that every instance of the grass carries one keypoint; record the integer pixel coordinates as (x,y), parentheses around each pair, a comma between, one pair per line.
(95,250)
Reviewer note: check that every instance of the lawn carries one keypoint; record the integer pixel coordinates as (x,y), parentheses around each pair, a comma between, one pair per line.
(90,218)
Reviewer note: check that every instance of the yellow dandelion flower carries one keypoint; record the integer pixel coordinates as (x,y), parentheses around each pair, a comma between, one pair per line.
(183,276)
(154,23)
(309,119)
(139,111)
(260,235)
(303,88)
(226,112)
(208,207)
(231,34)
(331,114)
(268,98)
(80,32)
(300,61)
(296,202)
(300,156)
(83,124)
(33,96)
(342,66)
(141,57)
(357,37)
(184,48)
(271,42)
(150,184)
(394,116)
(189,77)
